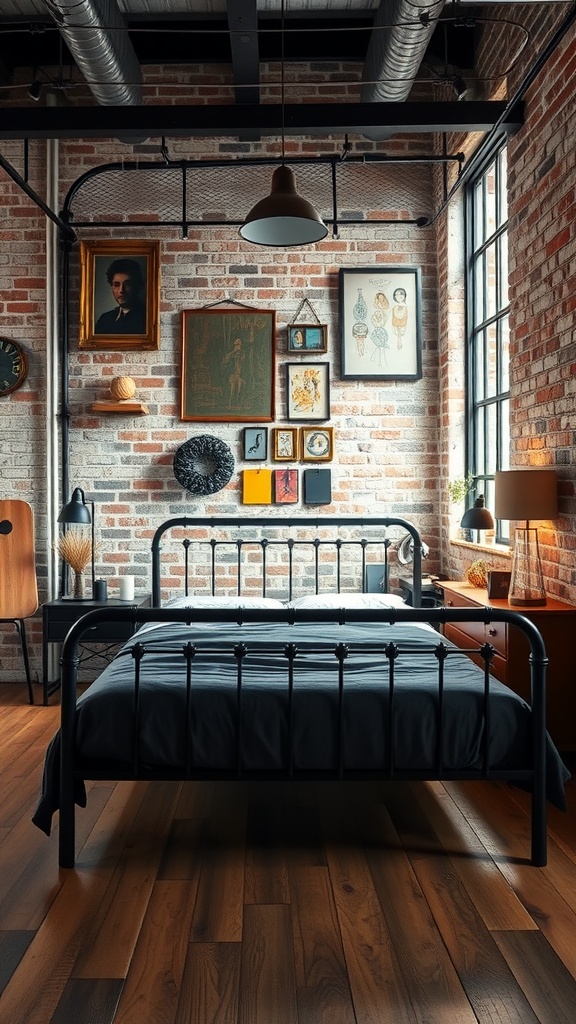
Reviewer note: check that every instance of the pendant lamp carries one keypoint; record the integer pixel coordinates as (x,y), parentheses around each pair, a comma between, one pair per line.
(283,217)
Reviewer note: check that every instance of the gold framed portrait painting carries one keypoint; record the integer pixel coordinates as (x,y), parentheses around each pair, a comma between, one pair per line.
(119,294)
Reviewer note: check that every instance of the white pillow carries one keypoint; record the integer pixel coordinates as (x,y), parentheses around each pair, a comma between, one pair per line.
(222,601)
(318,601)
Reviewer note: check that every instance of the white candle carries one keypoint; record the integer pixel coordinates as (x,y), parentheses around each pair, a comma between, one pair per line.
(127,588)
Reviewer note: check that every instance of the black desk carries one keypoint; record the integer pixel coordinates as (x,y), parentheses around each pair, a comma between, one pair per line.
(58,617)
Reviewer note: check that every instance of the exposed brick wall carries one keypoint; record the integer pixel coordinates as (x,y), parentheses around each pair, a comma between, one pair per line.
(543,295)
(542,251)
(386,453)
(394,441)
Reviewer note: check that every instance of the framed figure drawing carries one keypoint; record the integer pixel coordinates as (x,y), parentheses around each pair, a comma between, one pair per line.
(228,365)
(285,486)
(380,323)
(119,294)
(255,444)
(308,390)
(285,443)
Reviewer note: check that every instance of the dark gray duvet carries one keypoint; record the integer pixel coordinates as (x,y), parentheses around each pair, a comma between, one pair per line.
(105,730)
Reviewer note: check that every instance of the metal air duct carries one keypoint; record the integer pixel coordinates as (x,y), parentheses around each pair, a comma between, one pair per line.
(402,31)
(96,35)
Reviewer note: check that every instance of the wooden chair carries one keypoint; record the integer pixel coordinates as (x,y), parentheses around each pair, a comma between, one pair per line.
(18,584)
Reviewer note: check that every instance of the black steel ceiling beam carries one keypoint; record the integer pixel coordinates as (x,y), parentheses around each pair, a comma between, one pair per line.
(243,25)
(308,119)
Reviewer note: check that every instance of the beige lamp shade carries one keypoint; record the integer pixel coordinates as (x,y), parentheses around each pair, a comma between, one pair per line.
(526,494)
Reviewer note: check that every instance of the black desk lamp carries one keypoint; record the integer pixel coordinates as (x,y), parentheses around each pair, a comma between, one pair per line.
(76,513)
(478,517)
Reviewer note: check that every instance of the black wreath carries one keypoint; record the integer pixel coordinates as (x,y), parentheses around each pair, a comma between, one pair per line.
(204,464)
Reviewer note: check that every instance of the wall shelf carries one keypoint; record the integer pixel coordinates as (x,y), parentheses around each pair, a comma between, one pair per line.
(125,406)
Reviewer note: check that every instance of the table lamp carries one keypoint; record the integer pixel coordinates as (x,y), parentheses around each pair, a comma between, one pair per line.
(76,512)
(526,494)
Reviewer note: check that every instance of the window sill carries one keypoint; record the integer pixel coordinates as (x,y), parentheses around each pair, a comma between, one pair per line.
(502,550)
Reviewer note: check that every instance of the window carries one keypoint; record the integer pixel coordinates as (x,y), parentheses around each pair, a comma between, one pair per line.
(488,390)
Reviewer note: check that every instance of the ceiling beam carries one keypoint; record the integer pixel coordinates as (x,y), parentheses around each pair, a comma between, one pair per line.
(243,26)
(308,119)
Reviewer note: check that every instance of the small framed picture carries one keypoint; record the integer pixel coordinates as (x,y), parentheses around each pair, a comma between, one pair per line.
(255,447)
(316,444)
(285,486)
(308,391)
(285,443)
(307,338)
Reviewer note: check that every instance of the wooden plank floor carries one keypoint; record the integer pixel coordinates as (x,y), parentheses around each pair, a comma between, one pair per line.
(280,903)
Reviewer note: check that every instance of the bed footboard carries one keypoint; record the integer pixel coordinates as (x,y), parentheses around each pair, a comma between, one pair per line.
(238,641)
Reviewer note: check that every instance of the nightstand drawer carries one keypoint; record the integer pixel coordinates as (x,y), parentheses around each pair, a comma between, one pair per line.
(465,640)
(495,633)
(59,625)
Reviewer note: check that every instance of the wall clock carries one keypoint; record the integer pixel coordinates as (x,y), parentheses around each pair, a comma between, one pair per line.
(13,366)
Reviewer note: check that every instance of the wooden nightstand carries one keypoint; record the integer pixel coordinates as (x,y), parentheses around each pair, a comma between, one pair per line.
(557,623)
(58,616)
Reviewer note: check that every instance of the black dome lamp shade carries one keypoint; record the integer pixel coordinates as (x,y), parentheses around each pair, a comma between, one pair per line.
(283,217)
(76,510)
(478,517)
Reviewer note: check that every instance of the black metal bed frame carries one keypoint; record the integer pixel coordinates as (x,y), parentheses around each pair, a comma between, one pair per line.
(534,776)
(292,534)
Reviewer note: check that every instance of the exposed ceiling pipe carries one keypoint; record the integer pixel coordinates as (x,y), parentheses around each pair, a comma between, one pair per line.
(95,33)
(402,31)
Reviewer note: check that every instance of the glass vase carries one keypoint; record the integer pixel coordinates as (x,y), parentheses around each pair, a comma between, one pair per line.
(78,585)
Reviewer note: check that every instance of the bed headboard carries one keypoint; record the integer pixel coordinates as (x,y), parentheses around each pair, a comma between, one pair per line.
(277,557)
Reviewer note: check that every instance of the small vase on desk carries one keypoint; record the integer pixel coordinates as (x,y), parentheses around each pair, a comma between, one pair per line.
(78,585)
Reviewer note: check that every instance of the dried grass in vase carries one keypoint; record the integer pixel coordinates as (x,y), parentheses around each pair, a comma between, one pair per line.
(75,547)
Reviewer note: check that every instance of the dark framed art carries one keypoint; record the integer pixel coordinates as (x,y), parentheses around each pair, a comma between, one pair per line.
(255,447)
(228,365)
(285,486)
(285,443)
(316,444)
(308,391)
(380,323)
(119,294)
(307,338)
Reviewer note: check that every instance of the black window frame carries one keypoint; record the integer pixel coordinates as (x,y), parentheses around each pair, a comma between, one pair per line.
(487,329)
